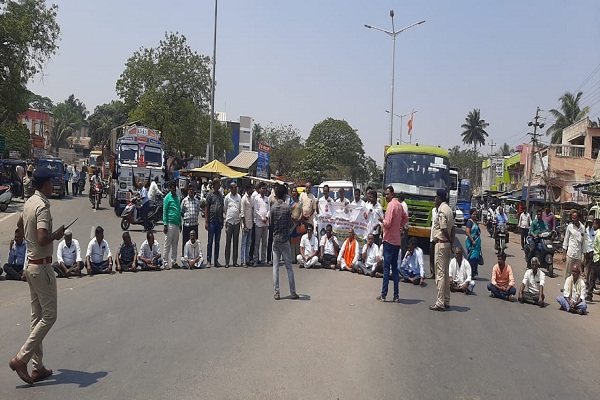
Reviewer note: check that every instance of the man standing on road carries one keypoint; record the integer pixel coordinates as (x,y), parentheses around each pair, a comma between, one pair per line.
(28,183)
(432,245)
(261,225)
(190,208)
(247,219)
(374,207)
(75,181)
(281,215)
(392,238)
(532,287)
(443,236)
(213,222)
(67,178)
(594,268)
(172,226)
(232,224)
(358,201)
(309,204)
(590,234)
(573,243)
(35,224)
(524,225)
(17,252)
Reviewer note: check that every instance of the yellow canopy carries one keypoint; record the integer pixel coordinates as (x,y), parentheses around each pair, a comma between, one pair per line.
(217,167)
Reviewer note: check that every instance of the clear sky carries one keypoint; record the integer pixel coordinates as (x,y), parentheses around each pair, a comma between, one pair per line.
(299,62)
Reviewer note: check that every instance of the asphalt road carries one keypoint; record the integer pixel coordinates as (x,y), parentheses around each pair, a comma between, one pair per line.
(218,334)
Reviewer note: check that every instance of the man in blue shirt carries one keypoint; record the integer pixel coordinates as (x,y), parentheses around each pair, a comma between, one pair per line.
(501,221)
(412,268)
(16,258)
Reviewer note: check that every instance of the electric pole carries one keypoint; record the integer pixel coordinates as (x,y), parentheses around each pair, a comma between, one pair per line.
(492,145)
(534,137)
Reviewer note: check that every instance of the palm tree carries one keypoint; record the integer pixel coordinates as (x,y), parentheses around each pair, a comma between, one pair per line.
(474,132)
(505,150)
(570,114)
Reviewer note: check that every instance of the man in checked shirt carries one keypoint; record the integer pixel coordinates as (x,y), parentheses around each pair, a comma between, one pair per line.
(190,208)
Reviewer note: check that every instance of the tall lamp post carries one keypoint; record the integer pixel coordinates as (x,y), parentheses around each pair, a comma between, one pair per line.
(393,33)
(401,117)
(210,154)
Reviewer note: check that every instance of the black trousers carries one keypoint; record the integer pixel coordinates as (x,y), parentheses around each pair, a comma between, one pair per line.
(251,252)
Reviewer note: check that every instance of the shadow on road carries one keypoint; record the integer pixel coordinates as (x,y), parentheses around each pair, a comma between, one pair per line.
(303,297)
(68,376)
(411,301)
(459,308)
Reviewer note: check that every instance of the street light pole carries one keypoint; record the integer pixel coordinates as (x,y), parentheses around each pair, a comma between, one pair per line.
(401,118)
(210,154)
(393,33)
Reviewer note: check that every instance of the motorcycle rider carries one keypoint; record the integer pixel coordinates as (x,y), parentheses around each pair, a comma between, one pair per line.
(538,226)
(154,191)
(95,179)
(143,193)
(501,222)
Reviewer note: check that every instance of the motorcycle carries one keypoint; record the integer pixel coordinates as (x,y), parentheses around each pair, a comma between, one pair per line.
(501,237)
(5,197)
(544,251)
(129,216)
(96,196)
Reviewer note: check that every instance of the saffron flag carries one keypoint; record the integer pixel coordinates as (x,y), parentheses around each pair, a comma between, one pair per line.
(410,122)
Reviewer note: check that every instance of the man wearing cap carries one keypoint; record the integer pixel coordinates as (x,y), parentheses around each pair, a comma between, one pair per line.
(35,224)
(96,251)
(28,183)
(68,257)
(192,253)
(443,237)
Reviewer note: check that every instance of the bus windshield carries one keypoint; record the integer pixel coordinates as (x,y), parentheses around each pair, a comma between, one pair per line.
(422,170)
(465,191)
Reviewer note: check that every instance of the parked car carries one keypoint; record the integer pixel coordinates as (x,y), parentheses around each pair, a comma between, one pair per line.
(459,218)
(58,167)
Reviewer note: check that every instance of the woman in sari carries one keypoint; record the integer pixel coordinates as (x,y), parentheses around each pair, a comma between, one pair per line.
(473,242)
(298,229)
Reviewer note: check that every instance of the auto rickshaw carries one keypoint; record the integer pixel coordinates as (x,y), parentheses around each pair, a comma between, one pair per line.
(12,176)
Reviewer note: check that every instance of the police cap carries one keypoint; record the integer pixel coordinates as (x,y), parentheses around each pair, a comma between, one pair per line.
(441,193)
(42,174)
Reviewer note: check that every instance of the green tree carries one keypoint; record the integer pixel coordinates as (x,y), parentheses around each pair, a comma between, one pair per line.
(464,160)
(287,148)
(104,118)
(17,137)
(257,132)
(28,38)
(168,88)
(334,150)
(69,116)
(474,134)
(570,112)
(505,150)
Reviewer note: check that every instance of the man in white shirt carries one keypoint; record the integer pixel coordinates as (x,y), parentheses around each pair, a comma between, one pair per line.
(358,201)
(374,207)
(349,253)
(309,249)
(532,287)
(192,253)
(412,269)
(68,257)
(232,206)
(326,198)
(460,274)
(330,248)
(261,225)
(572,298)
(343,198)
(97,250)
(154,193)
(573,244)
(524,225)
(370,258)
(149,257)
(247,220)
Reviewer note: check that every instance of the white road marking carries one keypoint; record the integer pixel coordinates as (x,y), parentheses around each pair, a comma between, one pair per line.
(8,216)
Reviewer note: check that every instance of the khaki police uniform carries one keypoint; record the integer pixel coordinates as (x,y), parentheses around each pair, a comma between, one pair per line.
(443,251)
(41,278)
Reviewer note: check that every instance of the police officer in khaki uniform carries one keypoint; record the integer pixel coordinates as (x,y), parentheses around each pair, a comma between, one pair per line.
(443,237)
(36,225)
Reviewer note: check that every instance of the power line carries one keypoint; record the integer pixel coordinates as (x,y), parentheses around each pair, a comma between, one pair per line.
(586,80)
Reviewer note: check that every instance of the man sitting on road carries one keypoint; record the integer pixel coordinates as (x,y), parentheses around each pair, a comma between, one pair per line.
(96,251)
(412,269)
(573,244)
(16,258)
(370,258)
(149,258)
(330,248)
(68,257)
(309,249)
(502,285)
(460,274)
(572,298)
(127,255)
(349,253)
(192,253)
(532,287)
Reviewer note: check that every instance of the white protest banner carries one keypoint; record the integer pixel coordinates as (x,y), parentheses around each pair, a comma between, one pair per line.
(343,217)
